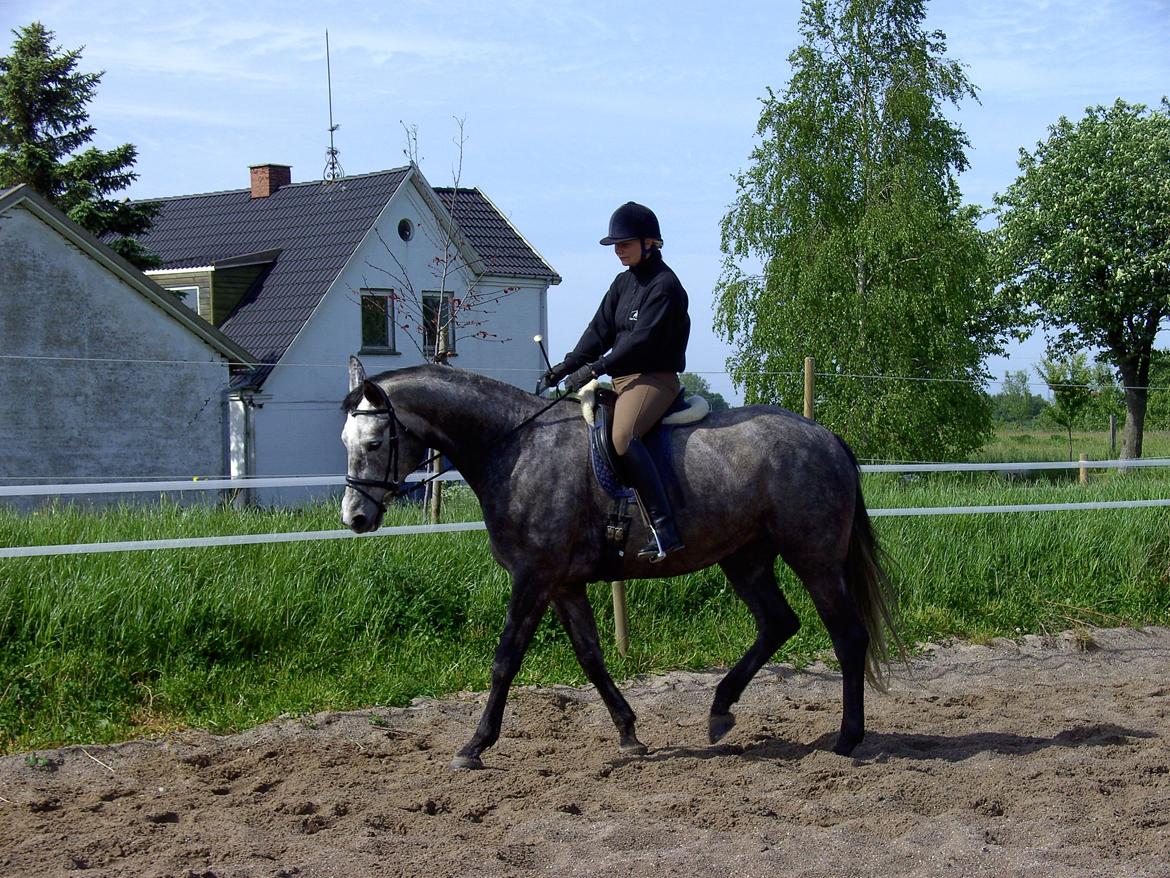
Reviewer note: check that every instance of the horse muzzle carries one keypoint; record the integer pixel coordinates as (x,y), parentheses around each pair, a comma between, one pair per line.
(361,512)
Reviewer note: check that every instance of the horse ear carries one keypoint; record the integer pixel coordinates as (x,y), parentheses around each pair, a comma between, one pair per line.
(357,372)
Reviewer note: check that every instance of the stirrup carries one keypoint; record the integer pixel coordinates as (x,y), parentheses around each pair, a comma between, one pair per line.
(655,551)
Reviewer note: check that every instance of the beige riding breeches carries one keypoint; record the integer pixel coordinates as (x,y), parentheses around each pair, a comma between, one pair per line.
(642,401)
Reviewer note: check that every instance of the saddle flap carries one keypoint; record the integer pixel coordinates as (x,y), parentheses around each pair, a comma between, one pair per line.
(603,453)
(598,411)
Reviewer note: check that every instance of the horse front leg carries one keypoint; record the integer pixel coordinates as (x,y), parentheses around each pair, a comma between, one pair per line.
(576,614)
(525,610)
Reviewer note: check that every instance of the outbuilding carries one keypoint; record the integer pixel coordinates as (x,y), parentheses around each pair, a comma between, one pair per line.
(104,375)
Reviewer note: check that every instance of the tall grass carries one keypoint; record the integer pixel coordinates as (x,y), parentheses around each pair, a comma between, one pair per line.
(108,646)
(1012,445)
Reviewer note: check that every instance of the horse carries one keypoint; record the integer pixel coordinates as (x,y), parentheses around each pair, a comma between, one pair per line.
(757,483)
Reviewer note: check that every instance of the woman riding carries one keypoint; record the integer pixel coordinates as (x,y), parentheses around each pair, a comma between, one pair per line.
(639,338)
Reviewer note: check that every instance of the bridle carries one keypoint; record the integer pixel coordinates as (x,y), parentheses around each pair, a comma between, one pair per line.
(390,488)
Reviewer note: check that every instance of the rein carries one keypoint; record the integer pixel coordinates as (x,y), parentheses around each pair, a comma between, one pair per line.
(392,488)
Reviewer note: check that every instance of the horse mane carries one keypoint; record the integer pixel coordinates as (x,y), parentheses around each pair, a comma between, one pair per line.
(431,374)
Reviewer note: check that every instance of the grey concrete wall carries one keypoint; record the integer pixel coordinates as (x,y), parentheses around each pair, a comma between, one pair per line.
(71,407)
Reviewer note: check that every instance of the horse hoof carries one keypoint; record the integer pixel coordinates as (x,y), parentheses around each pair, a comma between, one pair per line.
(718,725)
(633,747)
(466,763)
(846,745)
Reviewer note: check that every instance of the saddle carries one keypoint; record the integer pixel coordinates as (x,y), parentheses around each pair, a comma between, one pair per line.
(597,406)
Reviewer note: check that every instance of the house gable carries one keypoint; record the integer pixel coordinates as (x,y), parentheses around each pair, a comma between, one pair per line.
(22,197)
(313,226)
(317,227)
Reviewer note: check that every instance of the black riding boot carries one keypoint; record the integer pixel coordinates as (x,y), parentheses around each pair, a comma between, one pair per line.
(641,474)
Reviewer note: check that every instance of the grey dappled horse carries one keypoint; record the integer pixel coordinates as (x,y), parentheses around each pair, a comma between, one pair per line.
(759,483)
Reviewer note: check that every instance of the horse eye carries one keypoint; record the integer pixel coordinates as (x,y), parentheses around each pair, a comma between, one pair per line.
(374,446)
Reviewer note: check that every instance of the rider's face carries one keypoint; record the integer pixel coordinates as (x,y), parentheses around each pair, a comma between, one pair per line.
(629,252)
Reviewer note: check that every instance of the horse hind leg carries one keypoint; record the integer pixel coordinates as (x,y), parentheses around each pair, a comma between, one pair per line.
(752,573)
(847,630)
(573,609)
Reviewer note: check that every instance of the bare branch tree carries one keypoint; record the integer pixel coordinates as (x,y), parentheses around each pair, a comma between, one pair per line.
(437,316)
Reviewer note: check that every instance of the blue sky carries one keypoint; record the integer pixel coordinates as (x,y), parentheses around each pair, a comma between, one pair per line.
(570,108)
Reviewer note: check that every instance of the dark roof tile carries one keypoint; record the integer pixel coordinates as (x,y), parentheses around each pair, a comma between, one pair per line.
(491,235)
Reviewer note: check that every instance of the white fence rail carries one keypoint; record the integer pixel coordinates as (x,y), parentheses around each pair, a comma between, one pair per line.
(320,481)
(191,485)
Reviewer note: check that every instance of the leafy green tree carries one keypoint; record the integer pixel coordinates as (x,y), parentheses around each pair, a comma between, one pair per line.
(700,385)
(1158,409)
(1069,379)
(1084,241)
(44,126)
(1016,403)
(1108,398)
(847,240)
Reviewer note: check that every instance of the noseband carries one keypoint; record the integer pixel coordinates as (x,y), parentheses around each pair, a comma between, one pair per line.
(389,487)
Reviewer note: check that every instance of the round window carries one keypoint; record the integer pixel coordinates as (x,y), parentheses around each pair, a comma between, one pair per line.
(405,229)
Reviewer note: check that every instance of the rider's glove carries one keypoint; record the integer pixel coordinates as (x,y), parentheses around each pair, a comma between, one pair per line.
(552,377)
(579,379)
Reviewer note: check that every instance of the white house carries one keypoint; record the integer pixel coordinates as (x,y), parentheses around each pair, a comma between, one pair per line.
(304,274)
(104,375)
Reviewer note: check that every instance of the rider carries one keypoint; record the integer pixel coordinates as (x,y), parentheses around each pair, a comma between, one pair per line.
(639,337)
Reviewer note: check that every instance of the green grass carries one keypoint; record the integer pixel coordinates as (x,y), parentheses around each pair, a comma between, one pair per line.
(1012,445)
(109,646)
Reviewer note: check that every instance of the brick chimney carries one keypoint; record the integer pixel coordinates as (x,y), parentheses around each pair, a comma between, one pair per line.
(266,179)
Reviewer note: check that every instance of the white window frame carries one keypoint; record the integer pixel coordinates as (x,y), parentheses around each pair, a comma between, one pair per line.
(184,292)
(387,296)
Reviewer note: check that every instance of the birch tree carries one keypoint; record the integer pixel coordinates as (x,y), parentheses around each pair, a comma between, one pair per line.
(848,240)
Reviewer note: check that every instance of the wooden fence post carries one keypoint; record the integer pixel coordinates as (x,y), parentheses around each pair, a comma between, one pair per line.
(809,385)
(1084,471)
(436,492)
(621,625)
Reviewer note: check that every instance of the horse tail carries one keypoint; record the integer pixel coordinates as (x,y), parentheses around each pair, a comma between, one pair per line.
(873,593)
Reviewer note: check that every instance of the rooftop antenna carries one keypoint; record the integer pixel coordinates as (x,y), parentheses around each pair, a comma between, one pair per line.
(333,170)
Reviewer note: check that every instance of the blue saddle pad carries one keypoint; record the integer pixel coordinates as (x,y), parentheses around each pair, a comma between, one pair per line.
(606,477)
(657,442)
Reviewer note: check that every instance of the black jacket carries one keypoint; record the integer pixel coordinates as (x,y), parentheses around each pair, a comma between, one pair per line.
(642,322)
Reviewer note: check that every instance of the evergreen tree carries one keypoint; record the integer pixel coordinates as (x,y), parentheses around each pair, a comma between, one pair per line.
(44,129)
(848,241)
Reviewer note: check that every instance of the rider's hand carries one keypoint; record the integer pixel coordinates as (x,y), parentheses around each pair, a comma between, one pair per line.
(579,379)
(552,377)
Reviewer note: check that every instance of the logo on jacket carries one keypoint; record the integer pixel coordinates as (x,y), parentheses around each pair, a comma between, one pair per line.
(634,316)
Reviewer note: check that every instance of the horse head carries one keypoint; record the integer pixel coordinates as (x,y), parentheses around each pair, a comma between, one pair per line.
(380,450)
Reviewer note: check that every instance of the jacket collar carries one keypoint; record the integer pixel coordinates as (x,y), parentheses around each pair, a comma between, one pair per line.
(649,266)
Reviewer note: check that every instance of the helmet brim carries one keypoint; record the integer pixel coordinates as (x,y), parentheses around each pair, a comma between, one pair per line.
(606,241)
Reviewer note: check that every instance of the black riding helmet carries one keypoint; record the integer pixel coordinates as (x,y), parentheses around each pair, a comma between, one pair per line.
(630,221)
